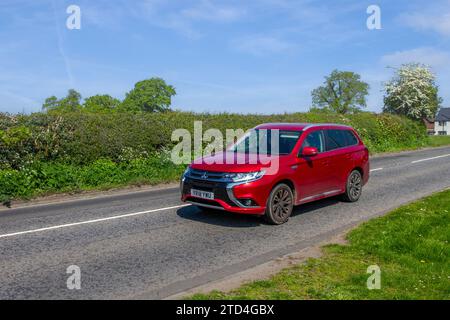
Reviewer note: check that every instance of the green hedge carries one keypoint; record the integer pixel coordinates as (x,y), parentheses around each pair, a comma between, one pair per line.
(42,178)
(82,138)
(48,152)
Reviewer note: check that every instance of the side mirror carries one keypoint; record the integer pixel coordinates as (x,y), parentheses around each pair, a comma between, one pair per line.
(309,152)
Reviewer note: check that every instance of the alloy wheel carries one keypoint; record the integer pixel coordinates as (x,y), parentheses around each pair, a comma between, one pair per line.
(355,185)
(280,204)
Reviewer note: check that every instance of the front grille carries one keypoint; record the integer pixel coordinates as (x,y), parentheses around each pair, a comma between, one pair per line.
(217,187)
(206,175)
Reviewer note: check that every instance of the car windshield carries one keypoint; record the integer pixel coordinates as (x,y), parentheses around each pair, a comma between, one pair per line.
(267,142)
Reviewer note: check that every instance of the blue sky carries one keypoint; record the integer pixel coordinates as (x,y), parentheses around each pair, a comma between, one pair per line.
(261,56)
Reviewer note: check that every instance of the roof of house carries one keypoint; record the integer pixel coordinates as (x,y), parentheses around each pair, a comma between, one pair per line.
(443,115)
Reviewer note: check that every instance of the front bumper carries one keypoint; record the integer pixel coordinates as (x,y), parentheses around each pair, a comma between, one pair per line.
(227,196)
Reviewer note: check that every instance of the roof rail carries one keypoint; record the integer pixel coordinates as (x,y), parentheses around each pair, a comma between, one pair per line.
(324,124)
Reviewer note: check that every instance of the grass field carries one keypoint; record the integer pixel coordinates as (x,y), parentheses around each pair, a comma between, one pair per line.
(438,141)
(410,246)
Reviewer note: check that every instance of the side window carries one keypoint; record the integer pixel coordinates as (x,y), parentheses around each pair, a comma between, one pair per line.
(350,137)
(340,138)
(315,139)
(332,143)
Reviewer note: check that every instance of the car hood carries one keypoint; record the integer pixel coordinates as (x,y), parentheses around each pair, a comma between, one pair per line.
(233,162)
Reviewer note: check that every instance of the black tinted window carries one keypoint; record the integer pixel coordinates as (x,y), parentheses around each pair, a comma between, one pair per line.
(351,139)
(315,139)
(340,138)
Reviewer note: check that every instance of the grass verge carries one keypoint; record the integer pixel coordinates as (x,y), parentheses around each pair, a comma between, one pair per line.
(410,245)
(439,141)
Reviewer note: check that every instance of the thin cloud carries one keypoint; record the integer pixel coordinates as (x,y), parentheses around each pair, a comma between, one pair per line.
(208,11)
(61,46)
(426,55)
(183,16)
(27,104)
(436,19)
(260,45)
(439,24)
(184,20)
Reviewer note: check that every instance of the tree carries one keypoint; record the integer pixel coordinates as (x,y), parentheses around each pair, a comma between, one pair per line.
(152,95)
(72,102)
(101,103)
(412,92)
(68,104)
(342,92)
(50,103)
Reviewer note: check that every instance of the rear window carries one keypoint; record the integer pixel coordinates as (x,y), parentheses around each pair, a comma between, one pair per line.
(340,138)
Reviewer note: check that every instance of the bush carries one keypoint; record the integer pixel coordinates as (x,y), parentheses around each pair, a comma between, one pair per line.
(43,178)
(48,152)
(82,138)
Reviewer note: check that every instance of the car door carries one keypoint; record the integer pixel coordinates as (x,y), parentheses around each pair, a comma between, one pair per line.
(340,145)
(312,173)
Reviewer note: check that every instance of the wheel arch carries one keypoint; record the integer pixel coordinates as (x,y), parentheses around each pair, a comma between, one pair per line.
(357,168)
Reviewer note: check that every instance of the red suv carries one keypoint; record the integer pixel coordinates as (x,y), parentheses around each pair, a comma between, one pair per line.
(312,162)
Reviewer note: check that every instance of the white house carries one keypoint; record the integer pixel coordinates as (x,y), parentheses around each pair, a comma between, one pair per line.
(442,122)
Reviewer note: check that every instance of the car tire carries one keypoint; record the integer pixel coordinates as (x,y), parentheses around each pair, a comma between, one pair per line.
(353,187)
(279,205)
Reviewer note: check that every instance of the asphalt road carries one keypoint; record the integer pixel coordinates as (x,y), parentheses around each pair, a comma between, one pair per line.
(145,245)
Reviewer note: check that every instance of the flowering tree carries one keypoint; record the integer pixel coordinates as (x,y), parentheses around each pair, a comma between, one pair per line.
(412,92)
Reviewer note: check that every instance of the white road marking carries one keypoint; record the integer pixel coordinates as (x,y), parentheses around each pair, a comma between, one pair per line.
(90,221)
(428,159)
(377,169)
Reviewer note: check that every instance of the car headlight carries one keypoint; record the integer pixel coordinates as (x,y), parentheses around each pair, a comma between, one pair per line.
(241,177)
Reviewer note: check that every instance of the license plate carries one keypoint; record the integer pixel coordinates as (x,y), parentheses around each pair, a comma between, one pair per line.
(202,194)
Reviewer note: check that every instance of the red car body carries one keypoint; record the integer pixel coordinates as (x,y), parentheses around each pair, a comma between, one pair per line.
(311,174)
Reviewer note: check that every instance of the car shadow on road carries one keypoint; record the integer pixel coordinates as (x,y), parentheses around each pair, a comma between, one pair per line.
(232,220)
(315,206)
(218,217)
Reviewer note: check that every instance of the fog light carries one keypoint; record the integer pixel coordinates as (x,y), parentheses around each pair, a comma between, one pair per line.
(248,202)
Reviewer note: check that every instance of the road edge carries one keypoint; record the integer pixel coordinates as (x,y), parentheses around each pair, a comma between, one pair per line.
(97,195)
